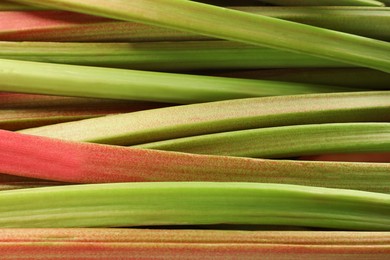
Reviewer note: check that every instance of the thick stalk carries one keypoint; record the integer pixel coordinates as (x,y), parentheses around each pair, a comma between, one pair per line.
(187,244)
(67,26)
(162,56)
(197,203)
(175,122)
(285,141)
(84,81)
(227,24)
(91,163)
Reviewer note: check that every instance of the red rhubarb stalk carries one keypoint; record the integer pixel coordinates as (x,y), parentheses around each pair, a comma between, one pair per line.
(95,163)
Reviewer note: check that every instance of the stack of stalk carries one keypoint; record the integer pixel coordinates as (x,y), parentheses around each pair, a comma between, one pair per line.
(183,129)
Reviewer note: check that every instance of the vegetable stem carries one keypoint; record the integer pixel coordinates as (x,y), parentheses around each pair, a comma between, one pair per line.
(228,24)
(139,204)
(285,141)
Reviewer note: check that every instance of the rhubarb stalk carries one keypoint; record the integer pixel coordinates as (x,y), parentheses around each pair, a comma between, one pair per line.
(186,244)
(227,24)
(285,141)
(140,204)
(175,122)
(93,163)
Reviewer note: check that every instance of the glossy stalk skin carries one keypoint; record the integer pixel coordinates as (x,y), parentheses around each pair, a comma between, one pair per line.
(197,119)
(193,203)
(92,163)
(227,24)
(324,2)
(68,26)
(345,77)
(161,56)
(285,141)
(85,81)
(350,157)
(77,243)
(20,111)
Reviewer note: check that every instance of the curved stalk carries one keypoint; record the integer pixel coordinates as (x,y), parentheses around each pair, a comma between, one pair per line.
(175,122)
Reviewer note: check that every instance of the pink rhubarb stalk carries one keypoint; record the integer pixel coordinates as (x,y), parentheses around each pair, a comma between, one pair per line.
(66,161)
(191,244)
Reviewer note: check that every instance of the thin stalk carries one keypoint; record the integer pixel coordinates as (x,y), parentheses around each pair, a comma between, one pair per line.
(285,141)
(68,26)
(76,162)
(184,244)
(175,122)
(325,2)
(162,56)
(84,81)
(193,203)
(346,77)
(20,111)
(227,24)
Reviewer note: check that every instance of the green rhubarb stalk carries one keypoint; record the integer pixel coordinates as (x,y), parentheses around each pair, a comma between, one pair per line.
(193,203)
(78,162)
(64,243)
(325,2)
(285,141)
(68,26)
(161,56)
(20,111)
(227,24)
(346,77)
(84,81)
(197,119)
